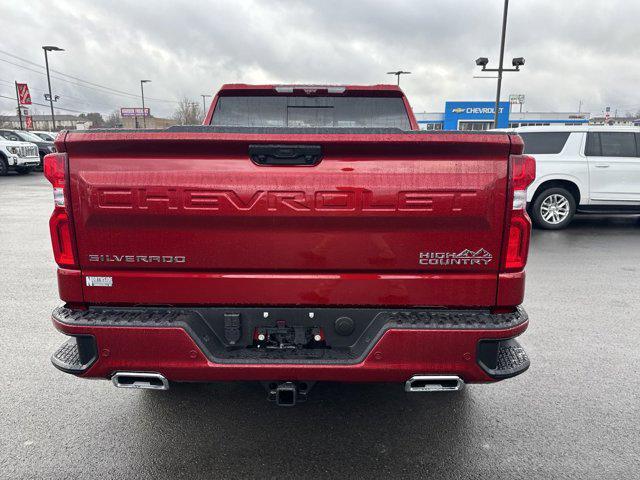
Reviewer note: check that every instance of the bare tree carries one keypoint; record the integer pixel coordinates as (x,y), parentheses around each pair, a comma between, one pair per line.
(94,117)
(113,120)
(188,112)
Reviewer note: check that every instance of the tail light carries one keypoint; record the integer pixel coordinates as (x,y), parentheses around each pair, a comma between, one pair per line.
(522,171)
(59,224)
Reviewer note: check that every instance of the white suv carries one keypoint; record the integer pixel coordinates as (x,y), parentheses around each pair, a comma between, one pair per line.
(19,156)
(592,169)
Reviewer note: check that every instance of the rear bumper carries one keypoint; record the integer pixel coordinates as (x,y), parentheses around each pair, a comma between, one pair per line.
(182,345)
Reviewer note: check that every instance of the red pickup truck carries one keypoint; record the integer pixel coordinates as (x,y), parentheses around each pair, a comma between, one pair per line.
(302,234)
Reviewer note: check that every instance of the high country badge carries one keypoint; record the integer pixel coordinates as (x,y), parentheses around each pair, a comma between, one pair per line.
(465,257)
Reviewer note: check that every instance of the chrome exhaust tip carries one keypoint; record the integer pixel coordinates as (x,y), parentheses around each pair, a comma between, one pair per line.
(140,380)
(434,383)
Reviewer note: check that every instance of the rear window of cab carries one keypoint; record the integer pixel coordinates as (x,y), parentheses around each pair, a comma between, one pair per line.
(312,112)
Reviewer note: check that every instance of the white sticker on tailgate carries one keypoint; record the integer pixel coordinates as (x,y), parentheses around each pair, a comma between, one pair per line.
(99,281)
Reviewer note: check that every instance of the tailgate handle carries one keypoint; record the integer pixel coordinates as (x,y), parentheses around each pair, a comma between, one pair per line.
(285,154)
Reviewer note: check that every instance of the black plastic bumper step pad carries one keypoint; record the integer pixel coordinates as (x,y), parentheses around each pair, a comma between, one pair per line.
(502,358)
(75,355)
(511,358)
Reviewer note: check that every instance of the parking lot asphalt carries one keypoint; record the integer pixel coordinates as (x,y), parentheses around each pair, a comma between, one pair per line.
(574,414)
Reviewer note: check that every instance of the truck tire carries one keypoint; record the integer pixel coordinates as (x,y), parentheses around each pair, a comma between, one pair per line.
(4,167)
(23,170)
(553,209)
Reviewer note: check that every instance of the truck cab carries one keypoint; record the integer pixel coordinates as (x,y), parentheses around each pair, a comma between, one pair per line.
(311,106)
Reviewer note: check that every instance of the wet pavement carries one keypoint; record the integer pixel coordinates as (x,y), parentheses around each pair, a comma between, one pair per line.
(574,414)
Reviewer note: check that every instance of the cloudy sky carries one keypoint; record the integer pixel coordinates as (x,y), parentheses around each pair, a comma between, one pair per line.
(575,50)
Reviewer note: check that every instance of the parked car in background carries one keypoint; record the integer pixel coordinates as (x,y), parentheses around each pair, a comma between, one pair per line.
(44,146)
(586,169)
(48,136)
(18,156)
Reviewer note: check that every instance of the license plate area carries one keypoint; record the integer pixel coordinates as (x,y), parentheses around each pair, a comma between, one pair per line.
(282,336)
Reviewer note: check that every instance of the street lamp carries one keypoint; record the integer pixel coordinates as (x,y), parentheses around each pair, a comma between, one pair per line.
(397,73)
(50,48)
(144,116)
(516,62)
(204,104)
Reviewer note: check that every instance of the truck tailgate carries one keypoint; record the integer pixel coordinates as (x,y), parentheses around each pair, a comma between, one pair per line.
(186,217)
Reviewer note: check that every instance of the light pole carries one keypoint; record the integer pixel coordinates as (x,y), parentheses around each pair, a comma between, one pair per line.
(204,104)
(194,110)
(397,74)
(50,48)
(144,116)
(20,108)
(516,62)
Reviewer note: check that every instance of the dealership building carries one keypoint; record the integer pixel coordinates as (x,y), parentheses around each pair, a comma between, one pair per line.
(479,116)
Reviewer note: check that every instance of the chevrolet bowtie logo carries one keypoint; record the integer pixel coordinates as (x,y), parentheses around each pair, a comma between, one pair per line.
(458,110)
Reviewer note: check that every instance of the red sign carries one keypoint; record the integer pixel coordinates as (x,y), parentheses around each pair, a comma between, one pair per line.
(28,122)
(24,97)
(134,112)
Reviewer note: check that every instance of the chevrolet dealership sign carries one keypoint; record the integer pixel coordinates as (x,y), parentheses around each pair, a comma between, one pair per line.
(456,112)
(476,110)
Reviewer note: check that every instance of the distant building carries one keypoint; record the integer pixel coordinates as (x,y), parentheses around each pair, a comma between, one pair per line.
(43,122)
(151,122)
(479,116)
(74,122)
(620,121)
